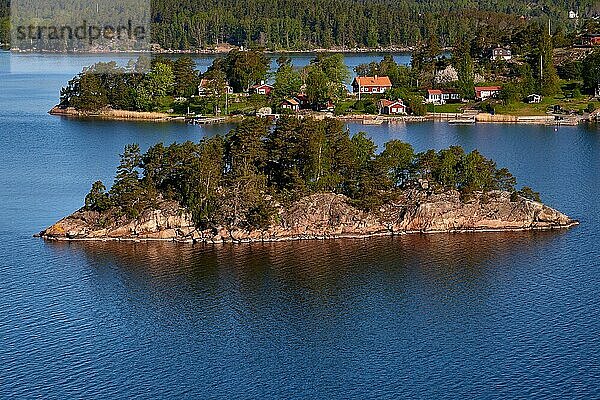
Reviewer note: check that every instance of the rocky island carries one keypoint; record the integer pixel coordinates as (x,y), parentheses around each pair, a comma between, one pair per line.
(301,179)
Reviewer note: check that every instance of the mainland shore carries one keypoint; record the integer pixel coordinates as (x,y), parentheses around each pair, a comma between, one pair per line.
(366,119)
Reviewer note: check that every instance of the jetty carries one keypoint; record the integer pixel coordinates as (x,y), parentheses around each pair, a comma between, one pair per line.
(205,120)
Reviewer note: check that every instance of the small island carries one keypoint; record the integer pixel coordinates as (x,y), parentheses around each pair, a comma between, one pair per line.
(301,179)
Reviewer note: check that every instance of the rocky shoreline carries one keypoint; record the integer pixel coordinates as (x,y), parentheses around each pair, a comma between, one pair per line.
(324,216)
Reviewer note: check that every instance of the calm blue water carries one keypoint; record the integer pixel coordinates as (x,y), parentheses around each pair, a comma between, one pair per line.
(441,316)
(72,64)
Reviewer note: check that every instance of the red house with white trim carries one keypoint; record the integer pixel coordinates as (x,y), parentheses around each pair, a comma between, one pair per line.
(392,107)
(371,84)
(262,88)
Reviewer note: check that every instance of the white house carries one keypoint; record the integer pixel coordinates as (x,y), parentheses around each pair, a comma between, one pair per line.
(290,104)
(501,54)
(442,96)
(486,92)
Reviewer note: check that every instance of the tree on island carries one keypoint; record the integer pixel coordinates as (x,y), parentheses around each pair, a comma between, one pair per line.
(288,81)
(97,199)
(326,79)
(243,68)
(239,179)
(185,76)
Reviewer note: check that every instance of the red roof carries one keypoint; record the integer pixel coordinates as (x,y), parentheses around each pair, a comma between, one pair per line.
(373,81)
(441,91)
(487,88)
(262,85)
(389,103)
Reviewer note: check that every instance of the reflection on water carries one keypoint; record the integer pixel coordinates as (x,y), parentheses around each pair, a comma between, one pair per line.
(424,313)
(445,268)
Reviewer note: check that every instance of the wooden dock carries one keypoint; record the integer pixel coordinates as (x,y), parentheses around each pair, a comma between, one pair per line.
(206,120)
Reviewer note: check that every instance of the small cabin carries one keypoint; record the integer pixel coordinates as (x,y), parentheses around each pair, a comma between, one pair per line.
(290,104)
(533,99)
(390,107)
(262,88)
(303,101)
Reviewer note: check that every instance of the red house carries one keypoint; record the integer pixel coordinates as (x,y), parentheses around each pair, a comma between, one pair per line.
(262,88)
(392,107)
(591,39)
(371,84)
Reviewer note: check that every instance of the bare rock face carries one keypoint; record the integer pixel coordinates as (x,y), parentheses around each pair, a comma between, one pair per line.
(170,221)
(325,215)
(483,212)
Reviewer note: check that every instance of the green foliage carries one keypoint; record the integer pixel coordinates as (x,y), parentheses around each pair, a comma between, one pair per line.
(511,93)
(415,103)
(591,72)
(92,94)
(243,68)
(327,76)
(131,87)
(542,59)
(465,68)
(396,161)
(237,180)
(185,77)
(127,190)
(570,70)
(287,82)
(529,194)
(97,199)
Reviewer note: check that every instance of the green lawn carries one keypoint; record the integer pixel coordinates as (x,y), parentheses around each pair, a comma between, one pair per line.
(520,109)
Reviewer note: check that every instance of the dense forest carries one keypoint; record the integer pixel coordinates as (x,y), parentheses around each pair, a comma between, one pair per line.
(239,179)
(297,24)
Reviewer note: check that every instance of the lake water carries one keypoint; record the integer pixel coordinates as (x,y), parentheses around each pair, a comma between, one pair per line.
(496,316)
